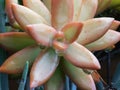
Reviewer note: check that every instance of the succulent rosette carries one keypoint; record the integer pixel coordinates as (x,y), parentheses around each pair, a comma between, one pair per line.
(58,38)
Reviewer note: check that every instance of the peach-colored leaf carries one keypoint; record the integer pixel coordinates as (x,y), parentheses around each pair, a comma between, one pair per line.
(9,13)
(43,68)
(77,9)
(109,39)
(88,9)
(38,7)
(93,29)
(15,63)
(62,12)
(78,76)
(15,41)
(115,25)
(81,57)
(59,46)
(56,82)
(24,16)
(71,31)
(43,34)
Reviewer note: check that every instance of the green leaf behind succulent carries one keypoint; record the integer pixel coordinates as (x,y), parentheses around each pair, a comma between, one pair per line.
(57,81)
(115,3)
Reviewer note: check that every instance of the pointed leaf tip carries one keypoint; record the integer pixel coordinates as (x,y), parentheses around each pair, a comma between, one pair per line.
(93,29)
(38,7)
(81,57)
(41,33)
(9,12)
(71,31)
(108,40)
(15,63)
(24,15)
(115,25)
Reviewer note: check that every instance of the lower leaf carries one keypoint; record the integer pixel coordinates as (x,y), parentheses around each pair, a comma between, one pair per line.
(78,76)
(56,82)
(43,68)
(15,63)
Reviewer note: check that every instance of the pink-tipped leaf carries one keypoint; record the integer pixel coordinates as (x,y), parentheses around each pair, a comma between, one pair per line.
(108,40)
(15,63)
(78,76)
(115,25)
(41,33)
(43,68)
(93,29)
(38,7)
(62,12)
(9,12)
(15,41)
(81,57)
(24,16)
(71,31)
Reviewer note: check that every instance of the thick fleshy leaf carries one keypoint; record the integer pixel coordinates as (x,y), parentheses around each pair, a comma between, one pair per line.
(71,31)
(115,25)
(56,82)
(38,7)
(15,63)
(78,76)
(77,9)
(81,57)
(15,41)
(93,29)
(25,16)
(88,9)
(43,34)
(59,46)
(109,39)
(62,12)
(9,13)
(43,67)
(48,3)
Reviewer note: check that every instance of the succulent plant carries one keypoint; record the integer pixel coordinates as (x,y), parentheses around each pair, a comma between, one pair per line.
(58,36)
